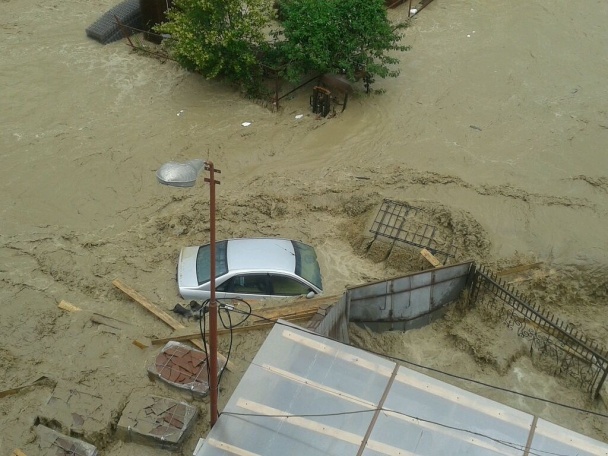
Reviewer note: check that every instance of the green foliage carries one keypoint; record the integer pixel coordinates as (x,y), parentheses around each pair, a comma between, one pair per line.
(219,38)
(339,36)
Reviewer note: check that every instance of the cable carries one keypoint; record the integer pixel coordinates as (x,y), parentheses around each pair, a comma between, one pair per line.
(394,358)
(513,445)
(248,313)
(201,325)
(204,309)
(219,380)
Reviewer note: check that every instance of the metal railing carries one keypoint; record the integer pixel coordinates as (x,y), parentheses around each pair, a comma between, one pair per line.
(574,355)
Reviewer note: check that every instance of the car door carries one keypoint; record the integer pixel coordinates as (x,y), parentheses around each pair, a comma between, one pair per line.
(283,285)
(245,286)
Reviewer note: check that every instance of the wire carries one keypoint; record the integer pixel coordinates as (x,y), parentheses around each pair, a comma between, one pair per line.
(201,325)
(219,380)
(395,358)
(227,308)
(513,445)
(231,308)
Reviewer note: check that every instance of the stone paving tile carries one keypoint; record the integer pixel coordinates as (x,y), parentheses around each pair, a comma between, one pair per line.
(53,443)
(156,421)
(183,367)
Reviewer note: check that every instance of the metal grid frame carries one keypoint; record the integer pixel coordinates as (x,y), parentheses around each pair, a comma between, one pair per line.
(396,220)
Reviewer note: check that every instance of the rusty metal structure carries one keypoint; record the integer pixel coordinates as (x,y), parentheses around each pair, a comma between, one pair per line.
(320,101)
(572,354)
(405,224)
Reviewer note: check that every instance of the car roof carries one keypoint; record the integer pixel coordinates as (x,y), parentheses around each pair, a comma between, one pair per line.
(261,254)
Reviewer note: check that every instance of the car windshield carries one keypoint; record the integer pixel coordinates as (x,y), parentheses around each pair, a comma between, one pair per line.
(307,265)
(203,262)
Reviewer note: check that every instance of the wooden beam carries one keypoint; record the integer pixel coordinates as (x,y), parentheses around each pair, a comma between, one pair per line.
(230,448)
(165,317)
(301,305)
(520,268)
(67,306)
(260,324)
(319,386)
(302,339)
(428,256)
(109,321)
(299,309)
(10,392)
(320,428)
(139,344)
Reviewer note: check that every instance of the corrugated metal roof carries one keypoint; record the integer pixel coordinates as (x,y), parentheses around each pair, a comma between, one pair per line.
(307,395)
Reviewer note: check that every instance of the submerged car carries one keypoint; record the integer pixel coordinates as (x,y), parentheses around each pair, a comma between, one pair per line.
(251,268)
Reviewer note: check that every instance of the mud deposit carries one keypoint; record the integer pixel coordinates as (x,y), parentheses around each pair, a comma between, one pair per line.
(497,126)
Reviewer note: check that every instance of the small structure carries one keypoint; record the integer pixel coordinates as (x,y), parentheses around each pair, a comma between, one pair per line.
(330,88)
(306,394)
(320,101)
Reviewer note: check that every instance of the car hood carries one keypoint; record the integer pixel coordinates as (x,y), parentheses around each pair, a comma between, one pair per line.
(186,268)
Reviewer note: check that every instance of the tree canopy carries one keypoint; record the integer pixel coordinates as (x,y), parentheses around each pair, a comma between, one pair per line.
(341,36)
(219,38)
(231,38)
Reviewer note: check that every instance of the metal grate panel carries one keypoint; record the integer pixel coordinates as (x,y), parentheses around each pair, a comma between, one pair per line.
(410,225)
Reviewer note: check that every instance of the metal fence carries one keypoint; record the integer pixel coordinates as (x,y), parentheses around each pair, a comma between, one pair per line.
(572,354)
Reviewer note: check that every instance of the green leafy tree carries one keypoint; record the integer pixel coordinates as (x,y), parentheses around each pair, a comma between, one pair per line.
(339,36)
(219,38)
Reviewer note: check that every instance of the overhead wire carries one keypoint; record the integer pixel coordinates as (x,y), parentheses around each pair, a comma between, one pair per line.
(466,379)
(231,308)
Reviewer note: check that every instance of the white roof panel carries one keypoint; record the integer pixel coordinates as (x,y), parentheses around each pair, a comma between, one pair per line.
(307,395)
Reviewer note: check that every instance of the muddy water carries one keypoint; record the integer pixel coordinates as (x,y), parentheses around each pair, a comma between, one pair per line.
(498,116)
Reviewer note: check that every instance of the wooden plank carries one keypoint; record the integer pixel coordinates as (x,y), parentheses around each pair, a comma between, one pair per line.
(10,392)
(320,428)
(139,344)
(165,317)
(260,324)
(299,309)
(519,269)
(282,312)
(18,452)
(109,321)
(305,340)
(308,383)
(230,448)
(141,300)
(521,279)
(428,256)
(67,306)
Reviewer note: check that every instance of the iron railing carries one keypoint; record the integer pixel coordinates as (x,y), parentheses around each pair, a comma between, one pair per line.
(574,355)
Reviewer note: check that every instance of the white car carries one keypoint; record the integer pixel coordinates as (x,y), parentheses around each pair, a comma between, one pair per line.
(250,269)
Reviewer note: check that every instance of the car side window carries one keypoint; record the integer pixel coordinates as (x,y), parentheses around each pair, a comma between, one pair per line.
(287,286)
(246,284)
